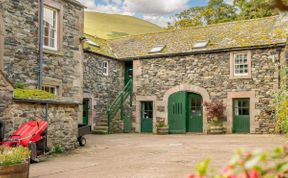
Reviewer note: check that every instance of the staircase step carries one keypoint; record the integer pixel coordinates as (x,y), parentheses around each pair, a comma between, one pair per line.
(102,124)
(100,132)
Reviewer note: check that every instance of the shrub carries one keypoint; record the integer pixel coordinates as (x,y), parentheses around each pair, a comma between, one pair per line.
(33,94)
(281,108)
(58,149)
(20,85)
(257,164)
(13,156)
(215,111)
(161,124)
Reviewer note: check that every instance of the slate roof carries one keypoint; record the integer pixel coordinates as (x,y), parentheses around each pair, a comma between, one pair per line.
(238,34)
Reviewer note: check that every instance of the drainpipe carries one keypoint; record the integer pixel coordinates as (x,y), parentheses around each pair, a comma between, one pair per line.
(41,42)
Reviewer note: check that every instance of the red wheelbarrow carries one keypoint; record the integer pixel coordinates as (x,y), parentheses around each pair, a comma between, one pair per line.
(32,134)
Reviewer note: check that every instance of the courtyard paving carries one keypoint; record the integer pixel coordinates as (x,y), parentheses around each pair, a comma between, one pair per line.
(148,156)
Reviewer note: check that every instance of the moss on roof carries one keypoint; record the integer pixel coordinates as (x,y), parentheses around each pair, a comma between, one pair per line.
(102,49)
(247,33)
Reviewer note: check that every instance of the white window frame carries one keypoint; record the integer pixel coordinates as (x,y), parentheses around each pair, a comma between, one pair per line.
(105,68)
(55,48)
(235,64)
(233,74)
(49,87)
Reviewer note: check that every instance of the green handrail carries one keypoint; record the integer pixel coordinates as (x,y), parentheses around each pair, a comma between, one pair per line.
(118,103)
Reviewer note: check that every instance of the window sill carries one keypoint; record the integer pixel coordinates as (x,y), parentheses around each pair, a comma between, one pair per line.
(52,52)
(239,77)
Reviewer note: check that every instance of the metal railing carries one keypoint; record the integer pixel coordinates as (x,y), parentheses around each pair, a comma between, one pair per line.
(118,104)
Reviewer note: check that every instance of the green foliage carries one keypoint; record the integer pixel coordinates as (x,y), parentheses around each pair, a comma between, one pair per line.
(254,9)
(13,156)
(33,94)
(58,149)
(20,85)
(161,124)
(121,24)
(281,108)
(217,11)
(257,164)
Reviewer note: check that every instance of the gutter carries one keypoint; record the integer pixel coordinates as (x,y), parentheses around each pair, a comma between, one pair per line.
(41,101)
(74,2)
(280,45)
(41,42)
(100,54)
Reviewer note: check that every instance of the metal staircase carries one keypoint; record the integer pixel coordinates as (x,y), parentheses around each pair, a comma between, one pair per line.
(118,105)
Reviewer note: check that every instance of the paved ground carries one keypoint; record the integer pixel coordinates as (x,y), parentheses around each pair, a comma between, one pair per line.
(145,156)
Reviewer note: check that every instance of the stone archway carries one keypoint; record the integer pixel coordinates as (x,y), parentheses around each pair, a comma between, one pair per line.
(187,88)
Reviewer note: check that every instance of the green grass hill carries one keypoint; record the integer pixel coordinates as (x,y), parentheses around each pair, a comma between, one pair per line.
(110,26)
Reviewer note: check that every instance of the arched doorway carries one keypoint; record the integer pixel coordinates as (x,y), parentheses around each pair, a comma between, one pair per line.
(185,112)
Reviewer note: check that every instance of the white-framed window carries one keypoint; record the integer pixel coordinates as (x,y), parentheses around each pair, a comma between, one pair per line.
(241,64)
(105,68)
(51,89)
(50,22)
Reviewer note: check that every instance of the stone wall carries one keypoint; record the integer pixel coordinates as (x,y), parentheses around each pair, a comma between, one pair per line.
(103,89)
(153,78)
(21,39)
(6,92)
(62,119)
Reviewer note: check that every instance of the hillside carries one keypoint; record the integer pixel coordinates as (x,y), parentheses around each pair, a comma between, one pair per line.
(109,26)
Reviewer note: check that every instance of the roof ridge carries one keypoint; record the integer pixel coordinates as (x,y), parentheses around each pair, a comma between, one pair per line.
(194,27)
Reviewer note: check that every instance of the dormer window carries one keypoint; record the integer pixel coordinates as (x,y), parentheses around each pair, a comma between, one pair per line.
(51,31)
(157,49)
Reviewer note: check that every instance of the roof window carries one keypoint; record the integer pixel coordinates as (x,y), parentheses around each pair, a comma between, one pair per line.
(201,44)
(157,49)
(92,43)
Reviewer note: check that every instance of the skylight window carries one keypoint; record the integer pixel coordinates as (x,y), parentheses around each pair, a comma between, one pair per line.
(201,44)
(92,43)
(157,49)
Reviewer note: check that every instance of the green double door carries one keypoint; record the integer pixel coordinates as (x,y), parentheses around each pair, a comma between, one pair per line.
(185,113)
(241,116)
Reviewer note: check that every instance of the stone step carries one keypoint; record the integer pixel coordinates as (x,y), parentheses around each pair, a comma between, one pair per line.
(100,130)
(102,124)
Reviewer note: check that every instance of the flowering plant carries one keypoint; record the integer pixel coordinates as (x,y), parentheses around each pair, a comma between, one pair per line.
(257,164)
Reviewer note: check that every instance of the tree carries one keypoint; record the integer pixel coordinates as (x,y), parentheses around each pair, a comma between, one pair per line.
(254,9)
(281,5)
(217,11)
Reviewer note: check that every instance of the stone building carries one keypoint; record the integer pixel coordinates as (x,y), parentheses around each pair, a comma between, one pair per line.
(175,72)
(62,65)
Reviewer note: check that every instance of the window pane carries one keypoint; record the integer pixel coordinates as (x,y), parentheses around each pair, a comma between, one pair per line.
(50,27)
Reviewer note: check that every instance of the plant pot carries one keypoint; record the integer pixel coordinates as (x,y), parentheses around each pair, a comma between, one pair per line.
(15,171)
(162,130)
(216,129)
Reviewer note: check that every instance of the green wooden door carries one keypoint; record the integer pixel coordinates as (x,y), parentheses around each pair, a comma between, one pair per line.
(147,117)
(85,111)
(128,72)
(194,113)
(241,118)
(177,112)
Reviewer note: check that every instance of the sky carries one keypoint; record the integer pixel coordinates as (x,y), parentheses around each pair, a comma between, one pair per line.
(156,11)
